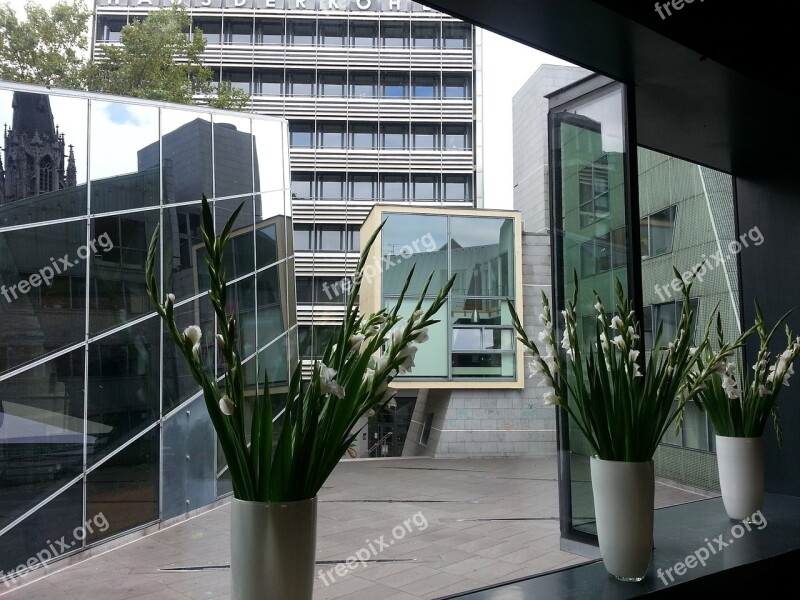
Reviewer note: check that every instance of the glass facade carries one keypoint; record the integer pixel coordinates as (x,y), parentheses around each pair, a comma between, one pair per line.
(685,215)
(98,412)
(474,338)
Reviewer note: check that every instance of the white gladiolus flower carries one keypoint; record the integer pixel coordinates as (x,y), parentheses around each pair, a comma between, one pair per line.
(327,382)
(421,336)
(633,355)
(550,351)
(616,323)
(692,350)
(407,354)
(357,340)
(170,299)
(786,356)
(543,319)
(564,313)
(369,376)
(381,363)
(226,405)
(632,333)
(619,341)
(763,391)
(193,334)
(396,334)
(729,385)
(535,368)
(220,340)
(604,340)
(551,399)
(547,382)
(565,341)
(598,306)
(544,336)
(417,315)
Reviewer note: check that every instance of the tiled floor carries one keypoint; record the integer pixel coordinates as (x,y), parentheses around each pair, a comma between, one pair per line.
(458,550)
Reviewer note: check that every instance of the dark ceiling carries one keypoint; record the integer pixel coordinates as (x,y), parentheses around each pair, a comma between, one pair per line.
(707,76)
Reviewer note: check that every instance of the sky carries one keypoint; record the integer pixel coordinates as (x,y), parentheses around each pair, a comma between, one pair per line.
(507,66)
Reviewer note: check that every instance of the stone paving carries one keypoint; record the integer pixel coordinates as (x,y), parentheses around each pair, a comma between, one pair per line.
(488,521)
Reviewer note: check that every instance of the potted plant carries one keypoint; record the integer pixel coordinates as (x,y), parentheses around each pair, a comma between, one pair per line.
(739,402)
(623,405)
(276,482)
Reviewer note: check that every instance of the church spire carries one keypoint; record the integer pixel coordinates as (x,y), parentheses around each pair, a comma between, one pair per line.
(72,171)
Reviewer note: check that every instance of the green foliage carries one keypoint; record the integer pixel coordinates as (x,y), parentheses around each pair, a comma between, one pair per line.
(48,47)
(156,59)
(622,403)
(319,422)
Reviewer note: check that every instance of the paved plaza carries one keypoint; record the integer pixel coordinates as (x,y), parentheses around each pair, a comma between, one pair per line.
(448,526)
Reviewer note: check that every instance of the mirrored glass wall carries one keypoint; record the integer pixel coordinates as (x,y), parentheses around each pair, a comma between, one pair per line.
(685,215)
(99,417)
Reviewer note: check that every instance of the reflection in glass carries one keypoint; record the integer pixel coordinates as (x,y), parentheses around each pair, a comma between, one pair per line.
(590,137)
(43,158)
(125,489)
(41,432)
(187,155)
(188,454)
(116,273)
(124,379)
(119,131)
(43,292)
(55,519)
(233,156)
(413,239)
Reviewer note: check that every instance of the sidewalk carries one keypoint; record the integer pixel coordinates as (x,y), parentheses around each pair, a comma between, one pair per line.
(471,523)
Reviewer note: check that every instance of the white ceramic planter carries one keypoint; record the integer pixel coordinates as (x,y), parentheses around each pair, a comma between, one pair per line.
(740,461)
(273,548)
(624,506)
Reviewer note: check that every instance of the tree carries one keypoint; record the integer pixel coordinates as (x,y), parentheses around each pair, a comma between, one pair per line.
(48,47)
(156,59)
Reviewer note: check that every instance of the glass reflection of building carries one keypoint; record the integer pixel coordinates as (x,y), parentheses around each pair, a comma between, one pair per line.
(473,344)
(98,412)
(685,216)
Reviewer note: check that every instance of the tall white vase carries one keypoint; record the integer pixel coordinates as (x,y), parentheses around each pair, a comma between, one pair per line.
(624,506)
(273,549)
(740,461)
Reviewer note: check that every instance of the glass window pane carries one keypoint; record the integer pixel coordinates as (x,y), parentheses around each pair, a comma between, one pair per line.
(331,186)
(302,33)
(270,32)
(305,290)
(424,137)
(425,86)
(270,83)
(395,35)
(363,136)
(424,36)
(662,229)
(485,263)
(303,237)
(394,187)
(394,137)
(331,135)
(425,188)
(456,137)
(211,30)
(302,185)
(332,33)
(364,85)
(456,86)
(457,188)
(363,34)
(414,239)
(332,84)
(301,83)
(301,134)
(395,85)
(362,187)
(239,32)
(330,238)
(456,36)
